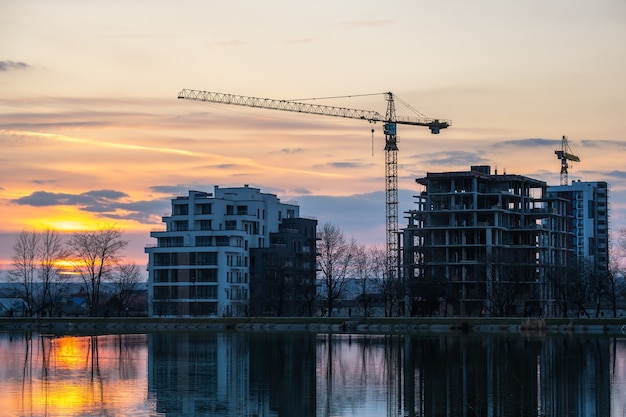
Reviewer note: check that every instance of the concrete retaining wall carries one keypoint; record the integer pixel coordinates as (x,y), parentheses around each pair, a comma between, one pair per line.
(616,327)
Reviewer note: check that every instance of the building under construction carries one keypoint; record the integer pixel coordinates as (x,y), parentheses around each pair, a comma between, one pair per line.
(484,244)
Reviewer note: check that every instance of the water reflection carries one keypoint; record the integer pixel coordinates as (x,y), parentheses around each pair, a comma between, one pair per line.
(351,375)
(237,374)
(301,374)
(45,375)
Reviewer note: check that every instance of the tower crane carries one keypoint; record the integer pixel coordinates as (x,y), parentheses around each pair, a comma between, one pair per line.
(390,121)
(565,154)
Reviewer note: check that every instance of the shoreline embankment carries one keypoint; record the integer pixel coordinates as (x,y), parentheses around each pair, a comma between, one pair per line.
(376,325)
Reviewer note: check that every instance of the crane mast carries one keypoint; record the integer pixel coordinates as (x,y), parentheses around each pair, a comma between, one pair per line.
(390,121)
(391,185)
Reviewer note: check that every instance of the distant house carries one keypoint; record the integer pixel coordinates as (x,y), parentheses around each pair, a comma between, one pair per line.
(358,298)
(13,307)
(73,305)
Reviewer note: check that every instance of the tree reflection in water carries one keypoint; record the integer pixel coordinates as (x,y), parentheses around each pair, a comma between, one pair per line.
(71,375)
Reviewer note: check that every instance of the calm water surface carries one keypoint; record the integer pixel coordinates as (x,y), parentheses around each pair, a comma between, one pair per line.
(260,374)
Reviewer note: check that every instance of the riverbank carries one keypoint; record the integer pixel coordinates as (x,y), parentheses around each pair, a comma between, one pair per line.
(377,325)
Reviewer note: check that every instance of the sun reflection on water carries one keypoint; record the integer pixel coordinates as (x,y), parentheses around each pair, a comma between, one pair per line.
(74,376)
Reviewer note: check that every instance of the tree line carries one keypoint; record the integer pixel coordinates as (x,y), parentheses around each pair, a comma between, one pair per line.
(45,270)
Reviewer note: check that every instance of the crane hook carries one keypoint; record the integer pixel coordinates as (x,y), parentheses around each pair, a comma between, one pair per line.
(372,141)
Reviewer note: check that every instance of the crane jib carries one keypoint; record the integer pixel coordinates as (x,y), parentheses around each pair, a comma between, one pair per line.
(298,107)
(284,105)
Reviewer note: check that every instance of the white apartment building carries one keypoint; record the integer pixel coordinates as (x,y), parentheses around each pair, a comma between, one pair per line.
(200,265)
(590,220)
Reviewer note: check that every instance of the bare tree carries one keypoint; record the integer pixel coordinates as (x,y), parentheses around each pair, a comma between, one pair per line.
(361,272)
(573,291)
(307,297)
(335,259)
(393,292)
(53,282)
(126,279)
(391,286)
(612,291)
(24,263)
(617,272)
(94,255)
(369,264)
(36,271)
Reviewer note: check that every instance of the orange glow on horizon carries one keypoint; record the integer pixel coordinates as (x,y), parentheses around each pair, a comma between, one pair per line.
(71,220)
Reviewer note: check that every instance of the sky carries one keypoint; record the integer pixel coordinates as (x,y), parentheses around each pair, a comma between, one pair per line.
(92,132)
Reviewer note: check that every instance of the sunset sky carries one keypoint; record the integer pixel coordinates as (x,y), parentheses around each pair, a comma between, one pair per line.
(92,131)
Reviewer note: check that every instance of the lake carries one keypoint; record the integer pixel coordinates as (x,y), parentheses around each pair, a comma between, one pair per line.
(305,374)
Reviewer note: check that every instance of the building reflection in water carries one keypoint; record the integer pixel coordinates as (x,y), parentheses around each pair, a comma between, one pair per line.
(227,374)
(252,374)
(301,374)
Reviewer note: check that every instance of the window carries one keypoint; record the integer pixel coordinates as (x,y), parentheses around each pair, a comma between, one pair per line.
(206,208)
(161,275)
(206,275)
(204,224)
(269,259)
(165,292)
(203,240)
(231,224)
(180,225)
(170,242)
(162,259)
(591,209)
(161,293)
(181,209)
(207,258)
(204,291)
(242,210)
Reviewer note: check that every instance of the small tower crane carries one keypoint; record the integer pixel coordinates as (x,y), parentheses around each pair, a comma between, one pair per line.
(565,154)
(390,120)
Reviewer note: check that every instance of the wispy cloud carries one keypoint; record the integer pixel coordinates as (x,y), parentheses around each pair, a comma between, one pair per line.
(97,143)
(604,144)
(44,181)
(528,143)
(301,191)
(12,65)
(452,158)
(292,150)
(169,189)
(348,164)
(617,174)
